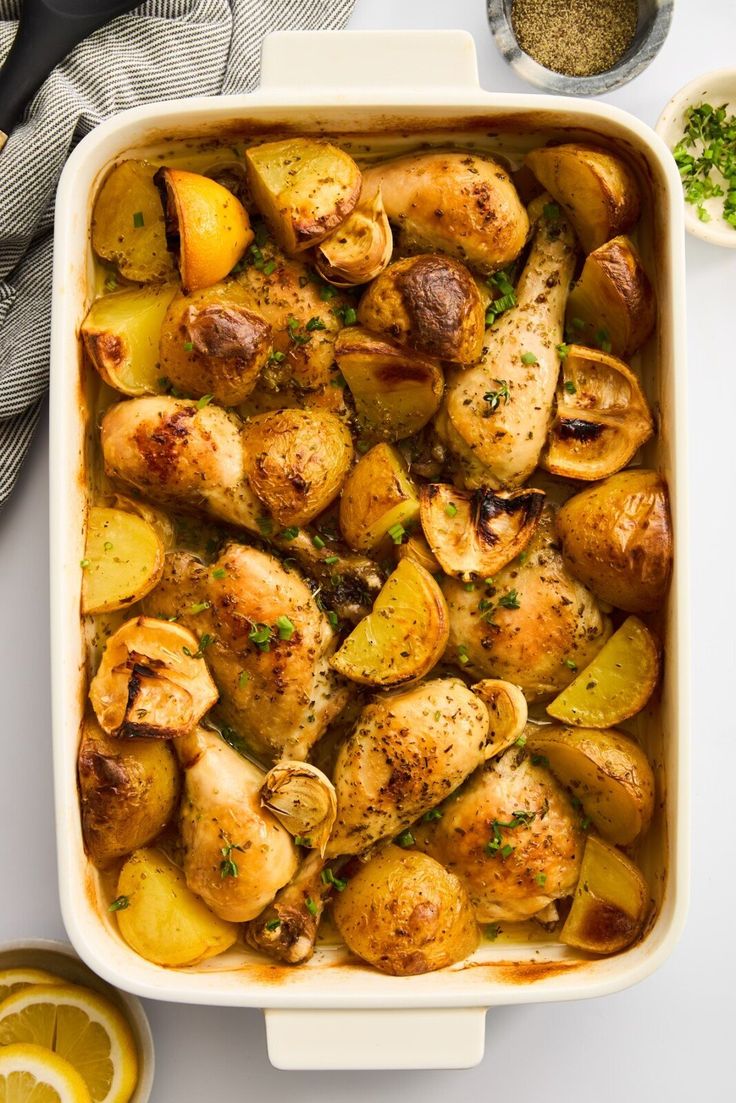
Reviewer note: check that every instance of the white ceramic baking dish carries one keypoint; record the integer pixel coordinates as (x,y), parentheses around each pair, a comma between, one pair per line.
(332,1012)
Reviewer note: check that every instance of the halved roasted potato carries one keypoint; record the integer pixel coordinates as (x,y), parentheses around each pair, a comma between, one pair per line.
(452,201)
(396,391)
(158,520)
(213,344)
(161,918)
(602,417)
(474,533)
(616,684)
(208,227)
(430,303)
(359,249)
(128,225)
(121,336)
(379,500)
(128,791)
(617,538)
(613,300)
(303,187)
(403,637)
(596,188)
(405,914)
(152,680)
(296,461)
(606,771)
(507,709)
(123,560)
(610,904)
(417,548)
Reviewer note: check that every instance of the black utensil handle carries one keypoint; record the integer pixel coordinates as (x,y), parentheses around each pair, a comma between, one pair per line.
(43,39)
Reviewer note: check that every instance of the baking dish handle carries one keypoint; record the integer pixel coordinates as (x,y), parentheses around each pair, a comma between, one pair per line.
(403,1038)
(378,60)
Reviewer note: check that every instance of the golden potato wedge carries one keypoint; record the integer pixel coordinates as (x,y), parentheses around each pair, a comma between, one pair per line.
(158,520)
(296,461)
(607,772)
(613,301)
(508,711)
(206,224)
(596,188)
(379,500)
(161,919)
(602,417)
(617,538)
(430,303)
(406,914)
(610,904)
(474,533)
(123,560)
(403,637)
(303,187)
(128,225)
(128,791)
(121,337)
(396,391)
(417,548)
(213,344)
(359,249)
(152,680)
(616,684)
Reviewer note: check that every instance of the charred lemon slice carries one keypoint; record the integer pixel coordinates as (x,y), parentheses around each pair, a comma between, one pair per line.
(602,417)
(610,902)
(616,685)
(474,533)
(152,680)
(403,637)
(507,710)
(123,560)
(211,225)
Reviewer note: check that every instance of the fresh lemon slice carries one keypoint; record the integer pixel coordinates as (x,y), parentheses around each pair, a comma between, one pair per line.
(82,1027)
(616,685)
(12,980)
(34,1074)
(403,637)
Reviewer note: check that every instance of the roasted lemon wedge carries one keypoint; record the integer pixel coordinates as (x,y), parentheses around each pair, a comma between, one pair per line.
(80,1026)
(403,637)
(616,685)
(34,1074)
(123,560)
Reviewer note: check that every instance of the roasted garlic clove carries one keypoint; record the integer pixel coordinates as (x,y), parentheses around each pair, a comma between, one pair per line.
(474,533)
(303,800)
(152,680)
(360,248)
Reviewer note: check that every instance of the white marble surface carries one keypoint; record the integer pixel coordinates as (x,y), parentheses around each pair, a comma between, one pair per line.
(671,1037)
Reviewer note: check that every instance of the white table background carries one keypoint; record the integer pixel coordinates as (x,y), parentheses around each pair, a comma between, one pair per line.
(672,1036)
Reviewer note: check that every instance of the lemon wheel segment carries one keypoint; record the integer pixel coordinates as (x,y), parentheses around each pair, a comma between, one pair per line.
(12,980)
(81,1026)
(34,1074)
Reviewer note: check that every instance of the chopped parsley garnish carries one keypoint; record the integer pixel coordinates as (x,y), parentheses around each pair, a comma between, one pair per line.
(243,678)
(333,618)
(273,924)
(541,878)
(285,627)
(329,878)
(528,358)
(706,158)
(404,839)
(570,664)
(260,635)
(346,314)
(433,815)
(188,346)
(303,840)
(493,398)
(318,541)
(496,844)
(311,906)
(228,866)
(562,351)
(314,323)
(219,572)
(298,338)
(330,559)
(265,525)
(198,607)
(603,340)
(570,387)
(451,509)
(510,600)
(462,654)
(138,220)
(551,211)
(276,357)
(119,904)
(204,401)
(205,640)
(85,563)
(397,533)
(289,534)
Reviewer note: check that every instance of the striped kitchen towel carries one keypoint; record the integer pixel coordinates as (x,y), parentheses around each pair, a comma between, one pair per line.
(163,49)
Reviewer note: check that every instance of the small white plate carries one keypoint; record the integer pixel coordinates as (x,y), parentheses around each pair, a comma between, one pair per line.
(715,88)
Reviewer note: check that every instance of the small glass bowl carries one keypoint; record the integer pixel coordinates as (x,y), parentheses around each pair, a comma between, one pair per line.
(655,17)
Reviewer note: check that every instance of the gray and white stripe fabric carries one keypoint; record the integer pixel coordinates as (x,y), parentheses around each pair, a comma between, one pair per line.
(163,49)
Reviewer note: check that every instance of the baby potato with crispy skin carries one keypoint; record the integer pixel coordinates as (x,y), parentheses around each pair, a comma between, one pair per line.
(430,303)
(405,914)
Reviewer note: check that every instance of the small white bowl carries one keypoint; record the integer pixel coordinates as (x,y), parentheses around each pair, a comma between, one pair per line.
(716,88)
(60,958)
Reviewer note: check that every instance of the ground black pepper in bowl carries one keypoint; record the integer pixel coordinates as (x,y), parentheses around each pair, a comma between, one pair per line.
(576,37)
